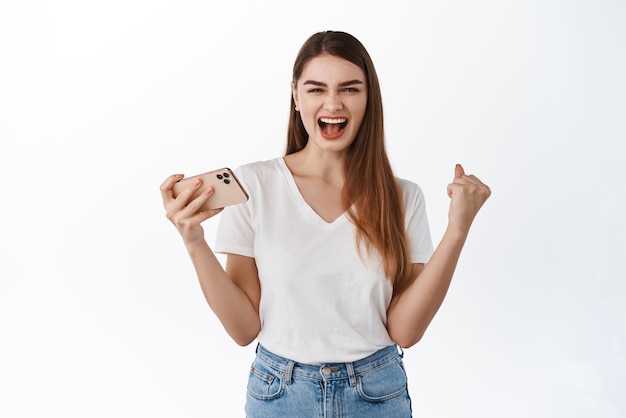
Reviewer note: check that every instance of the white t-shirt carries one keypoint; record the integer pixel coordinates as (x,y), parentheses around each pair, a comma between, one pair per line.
(322,300)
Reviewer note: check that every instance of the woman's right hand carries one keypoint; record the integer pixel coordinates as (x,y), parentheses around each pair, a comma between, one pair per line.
(183,212)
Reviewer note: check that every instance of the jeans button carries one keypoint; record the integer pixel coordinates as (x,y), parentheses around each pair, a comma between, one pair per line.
(326,371)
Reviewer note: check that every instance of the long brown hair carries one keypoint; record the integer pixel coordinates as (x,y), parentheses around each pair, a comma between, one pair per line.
(370,189)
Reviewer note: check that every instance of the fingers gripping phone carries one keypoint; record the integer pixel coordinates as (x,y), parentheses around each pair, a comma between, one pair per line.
(227,190)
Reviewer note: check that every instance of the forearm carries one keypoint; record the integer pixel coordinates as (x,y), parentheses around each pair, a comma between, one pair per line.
(227,300)
(410,314)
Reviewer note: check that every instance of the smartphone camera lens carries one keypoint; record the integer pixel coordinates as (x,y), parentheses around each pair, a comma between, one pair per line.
(226,175)
(219,177)
(226,181)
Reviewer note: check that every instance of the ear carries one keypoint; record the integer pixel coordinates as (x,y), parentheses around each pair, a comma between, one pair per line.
(294,93)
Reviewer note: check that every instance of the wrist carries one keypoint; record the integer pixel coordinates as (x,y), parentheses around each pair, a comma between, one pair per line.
(457,232)
(196,245)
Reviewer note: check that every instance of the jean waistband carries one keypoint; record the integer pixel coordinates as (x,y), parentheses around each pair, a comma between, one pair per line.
(287,368)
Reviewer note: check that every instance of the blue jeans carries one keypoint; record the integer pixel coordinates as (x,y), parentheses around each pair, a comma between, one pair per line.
(375,386)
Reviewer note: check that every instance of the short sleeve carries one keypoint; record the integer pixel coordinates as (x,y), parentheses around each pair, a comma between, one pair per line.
(416,221)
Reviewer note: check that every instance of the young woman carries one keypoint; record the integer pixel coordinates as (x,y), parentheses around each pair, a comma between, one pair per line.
(330,265)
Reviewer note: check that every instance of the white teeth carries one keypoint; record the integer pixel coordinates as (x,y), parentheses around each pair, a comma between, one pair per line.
(328,120)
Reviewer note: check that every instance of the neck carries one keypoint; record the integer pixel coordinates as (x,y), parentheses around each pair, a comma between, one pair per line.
(317,163)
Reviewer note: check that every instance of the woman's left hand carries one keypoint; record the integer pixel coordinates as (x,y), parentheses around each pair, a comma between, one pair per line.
(467,195)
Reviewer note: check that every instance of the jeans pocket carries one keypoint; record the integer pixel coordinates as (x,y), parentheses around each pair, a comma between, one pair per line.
(264,383)
(383,383)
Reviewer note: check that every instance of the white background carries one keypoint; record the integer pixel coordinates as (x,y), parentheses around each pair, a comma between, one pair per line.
(100,311)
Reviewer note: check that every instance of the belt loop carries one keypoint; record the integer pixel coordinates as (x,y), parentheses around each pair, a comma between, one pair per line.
(289,372)
(401,351)
(351,376)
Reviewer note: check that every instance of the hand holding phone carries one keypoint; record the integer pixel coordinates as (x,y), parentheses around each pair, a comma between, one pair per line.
(227,190)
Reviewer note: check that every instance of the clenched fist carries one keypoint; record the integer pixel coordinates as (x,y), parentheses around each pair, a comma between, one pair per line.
(467,195)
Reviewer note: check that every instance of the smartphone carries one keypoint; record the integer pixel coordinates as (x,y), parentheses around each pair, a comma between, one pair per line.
(227,190)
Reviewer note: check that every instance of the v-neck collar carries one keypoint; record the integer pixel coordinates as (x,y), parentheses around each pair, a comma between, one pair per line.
(306,208)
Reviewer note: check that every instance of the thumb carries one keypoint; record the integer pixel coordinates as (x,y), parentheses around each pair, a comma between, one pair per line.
(458,171)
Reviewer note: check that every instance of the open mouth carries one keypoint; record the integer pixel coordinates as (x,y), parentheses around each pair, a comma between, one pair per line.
(332,127)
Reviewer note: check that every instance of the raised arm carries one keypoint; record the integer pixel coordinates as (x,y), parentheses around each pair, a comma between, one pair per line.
(233,294)
(411,312)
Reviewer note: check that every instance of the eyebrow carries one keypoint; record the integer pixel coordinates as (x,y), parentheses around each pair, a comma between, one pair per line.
(344,84)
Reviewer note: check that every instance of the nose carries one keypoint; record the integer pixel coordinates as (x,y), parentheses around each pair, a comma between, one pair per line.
(333,103)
